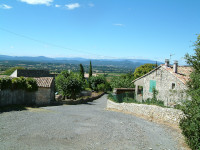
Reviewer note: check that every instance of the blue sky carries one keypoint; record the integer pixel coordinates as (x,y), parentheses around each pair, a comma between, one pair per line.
(145,29)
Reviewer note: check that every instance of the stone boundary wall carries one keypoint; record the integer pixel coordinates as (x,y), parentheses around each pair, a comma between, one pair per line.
(17,97)
(80,101)
(154,113)
(42,97)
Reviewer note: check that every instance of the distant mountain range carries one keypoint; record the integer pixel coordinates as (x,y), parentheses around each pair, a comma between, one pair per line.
(128,63)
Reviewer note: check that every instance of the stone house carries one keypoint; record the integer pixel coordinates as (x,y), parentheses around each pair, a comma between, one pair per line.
(169,81)
(45,82)
(44,96)
(46,90)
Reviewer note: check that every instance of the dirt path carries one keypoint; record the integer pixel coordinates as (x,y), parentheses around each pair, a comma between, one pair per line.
(85,127)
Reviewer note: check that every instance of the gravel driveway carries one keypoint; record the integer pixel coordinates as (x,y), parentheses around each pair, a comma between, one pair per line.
(86,126)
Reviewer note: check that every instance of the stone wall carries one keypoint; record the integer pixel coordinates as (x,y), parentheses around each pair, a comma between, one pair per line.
(20,97)
(17,97)
(154,113)
(164,81)
(43,96)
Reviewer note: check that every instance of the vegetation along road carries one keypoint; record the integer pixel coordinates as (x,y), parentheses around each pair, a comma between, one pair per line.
(86,126)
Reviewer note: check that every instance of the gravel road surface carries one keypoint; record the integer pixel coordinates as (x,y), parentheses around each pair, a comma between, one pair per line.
(82,127)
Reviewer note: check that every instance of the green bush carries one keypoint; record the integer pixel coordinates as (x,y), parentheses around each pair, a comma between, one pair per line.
(69,84)
(19,83)
(190,124)
(5,83)
(127,97)
(31,85)
(101,87)
(28,84)
(95,81)
(123,81)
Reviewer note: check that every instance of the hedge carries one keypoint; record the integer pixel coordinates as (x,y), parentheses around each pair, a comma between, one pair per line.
(21,83)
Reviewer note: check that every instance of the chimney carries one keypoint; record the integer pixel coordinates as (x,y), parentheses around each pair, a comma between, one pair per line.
(167,62)
(175,67)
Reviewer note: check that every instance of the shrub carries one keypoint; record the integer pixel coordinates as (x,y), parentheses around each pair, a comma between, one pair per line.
(190,125)
(123,81)
(69,84)
(22,83)
(31,85)
(101,87)
(5,83)
(19,83)
(95,81)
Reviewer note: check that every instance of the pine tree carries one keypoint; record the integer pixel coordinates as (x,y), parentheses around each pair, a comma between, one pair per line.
(82,72)
(90,71)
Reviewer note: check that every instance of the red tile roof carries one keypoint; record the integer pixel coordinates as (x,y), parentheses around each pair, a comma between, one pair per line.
(183,73)
(44,81)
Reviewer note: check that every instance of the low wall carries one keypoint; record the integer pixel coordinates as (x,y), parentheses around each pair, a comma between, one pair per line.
(79,101)
(21,97)
(154,113)
(17,97)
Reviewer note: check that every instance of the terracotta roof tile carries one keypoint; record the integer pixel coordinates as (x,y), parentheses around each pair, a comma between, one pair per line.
(44,81)
(183,73)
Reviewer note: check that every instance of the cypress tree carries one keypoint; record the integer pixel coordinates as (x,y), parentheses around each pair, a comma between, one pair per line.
(82,72)
(90,71)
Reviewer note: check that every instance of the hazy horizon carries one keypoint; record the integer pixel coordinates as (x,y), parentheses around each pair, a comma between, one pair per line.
(103,29)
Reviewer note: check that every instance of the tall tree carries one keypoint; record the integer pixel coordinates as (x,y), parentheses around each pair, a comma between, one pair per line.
(190,124)
(69,84)
(82,72)
(143,69)
(90,71)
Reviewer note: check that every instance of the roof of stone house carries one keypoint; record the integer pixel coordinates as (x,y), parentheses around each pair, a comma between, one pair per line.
(32,73)
(44,81)
(183,73)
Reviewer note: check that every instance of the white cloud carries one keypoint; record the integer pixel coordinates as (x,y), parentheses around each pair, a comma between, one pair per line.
(72,6)
(118,24)
(91,4)
(35,2)
(57,5)
(4,6)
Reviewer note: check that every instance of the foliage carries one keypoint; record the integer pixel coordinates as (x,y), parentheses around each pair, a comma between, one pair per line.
(90,70)
(28,84)
(123,81)
(127,97)
(11,70)
(82,72)
(19,83)
(95,81)
(143,69)
(190,125)
(69,84)
(101,87)
(31,84)
(5,83)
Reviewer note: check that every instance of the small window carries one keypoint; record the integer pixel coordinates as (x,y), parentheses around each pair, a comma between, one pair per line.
(173,86)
